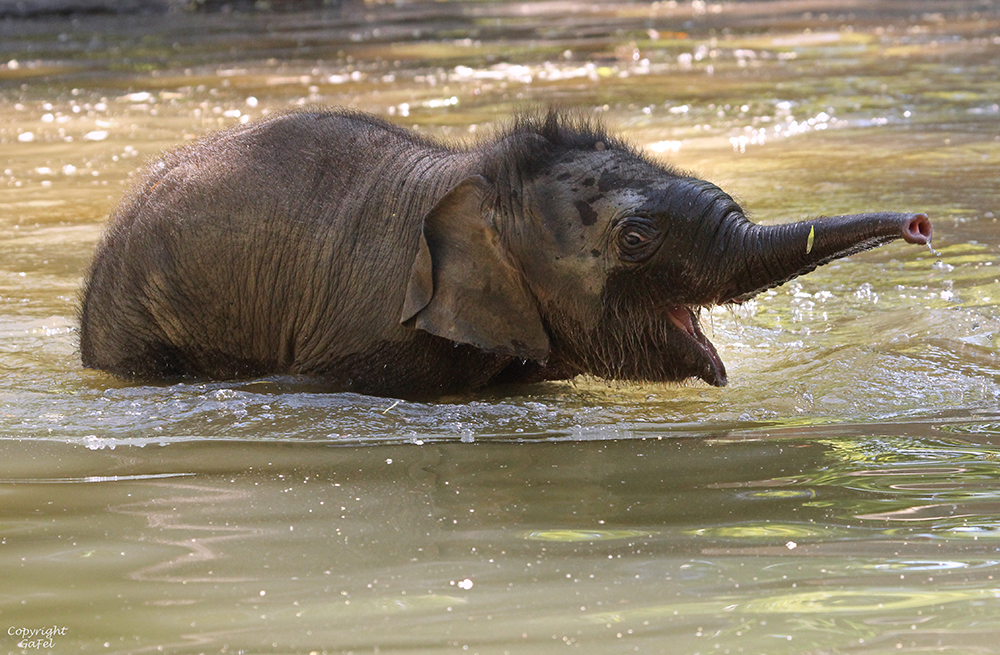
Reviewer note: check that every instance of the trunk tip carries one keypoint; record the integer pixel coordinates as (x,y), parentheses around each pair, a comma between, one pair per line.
(917,229)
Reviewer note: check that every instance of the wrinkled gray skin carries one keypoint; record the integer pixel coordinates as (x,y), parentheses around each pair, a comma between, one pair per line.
(335,245)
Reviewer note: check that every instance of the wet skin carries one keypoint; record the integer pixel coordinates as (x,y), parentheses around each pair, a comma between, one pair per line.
(335,245)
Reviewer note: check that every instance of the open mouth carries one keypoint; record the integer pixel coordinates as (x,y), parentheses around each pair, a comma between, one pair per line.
(712,370)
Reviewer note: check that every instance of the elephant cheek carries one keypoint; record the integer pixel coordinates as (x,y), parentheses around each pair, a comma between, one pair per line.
(571,291)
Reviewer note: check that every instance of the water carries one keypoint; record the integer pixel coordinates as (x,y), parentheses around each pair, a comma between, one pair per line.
(839,496)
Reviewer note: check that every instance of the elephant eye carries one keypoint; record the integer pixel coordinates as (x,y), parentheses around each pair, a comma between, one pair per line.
(636,238)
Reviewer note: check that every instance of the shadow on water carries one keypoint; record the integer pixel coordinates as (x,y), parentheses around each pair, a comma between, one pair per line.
(838,496)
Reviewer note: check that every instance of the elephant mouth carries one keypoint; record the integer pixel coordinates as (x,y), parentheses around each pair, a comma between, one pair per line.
(710,366)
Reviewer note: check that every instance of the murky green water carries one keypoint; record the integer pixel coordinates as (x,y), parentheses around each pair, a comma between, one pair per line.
(841,495)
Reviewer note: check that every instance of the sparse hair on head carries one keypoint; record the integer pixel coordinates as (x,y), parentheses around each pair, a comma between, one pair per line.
(535,139)
(564,130)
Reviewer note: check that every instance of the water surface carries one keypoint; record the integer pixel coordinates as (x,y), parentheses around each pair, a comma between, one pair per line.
(838,496)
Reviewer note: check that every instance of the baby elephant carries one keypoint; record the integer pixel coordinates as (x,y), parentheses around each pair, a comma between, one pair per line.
(335,245)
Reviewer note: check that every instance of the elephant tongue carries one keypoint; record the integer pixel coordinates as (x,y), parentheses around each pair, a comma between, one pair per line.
(683,317)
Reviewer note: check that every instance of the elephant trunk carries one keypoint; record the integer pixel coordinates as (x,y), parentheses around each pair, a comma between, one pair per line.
(765,256)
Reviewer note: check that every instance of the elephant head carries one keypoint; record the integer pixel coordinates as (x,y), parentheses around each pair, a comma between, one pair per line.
(569,248)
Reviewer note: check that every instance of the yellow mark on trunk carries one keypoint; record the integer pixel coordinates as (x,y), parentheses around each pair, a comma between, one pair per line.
(811,239)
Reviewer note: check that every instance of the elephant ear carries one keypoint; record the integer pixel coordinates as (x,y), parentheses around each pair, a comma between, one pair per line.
(463,288)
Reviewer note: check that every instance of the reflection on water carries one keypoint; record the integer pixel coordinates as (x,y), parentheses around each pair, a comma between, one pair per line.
(838,496)
(492,546)
(583,535)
